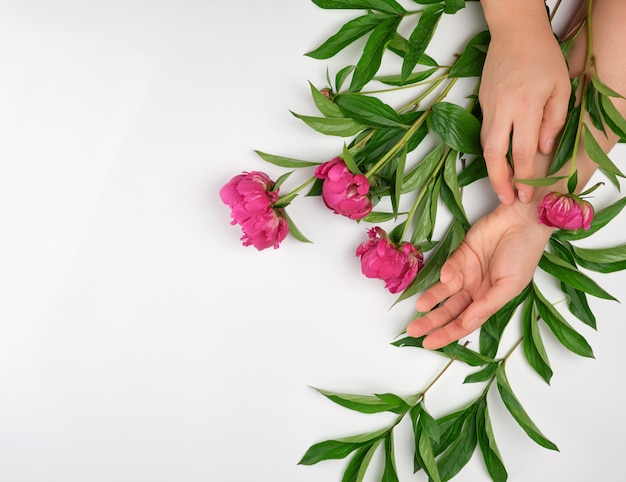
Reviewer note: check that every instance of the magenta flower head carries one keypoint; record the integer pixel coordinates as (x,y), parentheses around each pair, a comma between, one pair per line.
(396,265)
(344,192)
(565,211)
(251,200)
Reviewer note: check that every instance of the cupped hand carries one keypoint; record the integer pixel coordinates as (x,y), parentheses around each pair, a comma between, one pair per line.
(493,264)
(524,96)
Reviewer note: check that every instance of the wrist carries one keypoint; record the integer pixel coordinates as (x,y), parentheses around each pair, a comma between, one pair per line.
(511,16)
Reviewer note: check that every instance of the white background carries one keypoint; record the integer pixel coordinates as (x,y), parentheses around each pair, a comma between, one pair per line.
(139,341)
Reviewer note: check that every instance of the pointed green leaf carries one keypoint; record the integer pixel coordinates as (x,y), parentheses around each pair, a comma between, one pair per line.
(534,349)
(389,472)
(516,409)
(363,403)
(341,127)
(285,161)
(488,446)
(369,111)
(597,154)
(420,38)
(456,127)
(570,275)
(347,34)
(470,62)
(603,88)
(326,107)
(613,118)
(359,463)
(565,148)
(427,457)
(482,375)
(388,6)
(563,331)
(370,60)
(411,79)
(294,231)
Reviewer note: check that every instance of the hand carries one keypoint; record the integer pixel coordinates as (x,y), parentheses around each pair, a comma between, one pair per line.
(525,90)
(493,264)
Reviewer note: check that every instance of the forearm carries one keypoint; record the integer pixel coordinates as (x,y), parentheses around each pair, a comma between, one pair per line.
(510,17)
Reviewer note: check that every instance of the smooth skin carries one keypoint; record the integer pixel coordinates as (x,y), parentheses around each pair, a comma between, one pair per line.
(500,252)
(524,93)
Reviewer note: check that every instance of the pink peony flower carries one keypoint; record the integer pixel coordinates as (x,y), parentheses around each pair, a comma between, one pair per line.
(565,211)
(396,265)
(344,192)
(251,200)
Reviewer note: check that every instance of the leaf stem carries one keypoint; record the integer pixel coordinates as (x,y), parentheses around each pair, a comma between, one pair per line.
(409,133)
(283,201)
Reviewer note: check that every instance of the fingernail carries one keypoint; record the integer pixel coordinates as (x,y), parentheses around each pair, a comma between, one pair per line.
(503,199)
(523,196)
(473,324)
(549,145)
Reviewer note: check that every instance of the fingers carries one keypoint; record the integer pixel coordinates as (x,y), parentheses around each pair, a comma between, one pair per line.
(495,136)
(524,149)
(440,316)
(459,317)
(450,282)
(554,117)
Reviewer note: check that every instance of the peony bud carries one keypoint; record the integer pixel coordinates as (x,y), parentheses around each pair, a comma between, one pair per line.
(344,192)
(565,211)
(396,265)
(251,200)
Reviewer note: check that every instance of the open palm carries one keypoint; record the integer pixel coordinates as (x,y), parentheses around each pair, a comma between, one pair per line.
(493,264)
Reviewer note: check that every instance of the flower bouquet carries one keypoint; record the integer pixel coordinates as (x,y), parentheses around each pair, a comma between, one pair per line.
(408,153)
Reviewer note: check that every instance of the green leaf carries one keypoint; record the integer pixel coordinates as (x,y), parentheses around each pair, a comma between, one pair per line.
(569,338)
(615,254)
(347,34)
(451,181)
(613,118)
(453,6)
(597,154)
(342,75)
(482,375)
(534,349)
(294,231)
(591,104)
(396,190)
(341,127)
(464,354)
(568,274)
(460,450)
(388,6)
(603,88)
(541,181)
(355,471)
(420,38)
(429,424)
(427,457)
(492,329)
(369,111)
(370,60)
(389,473)
(456,127)
(470,62)
(416,178)
(326,107)
(476,170)
(340,448)
(488,446)
(364,403)
(411,79)
(516,409)
(285,161)
(565,148)
(600,219)
(378,217)
(429,274)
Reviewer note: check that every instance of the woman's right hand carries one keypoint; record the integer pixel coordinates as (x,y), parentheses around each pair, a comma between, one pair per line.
(525,89)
